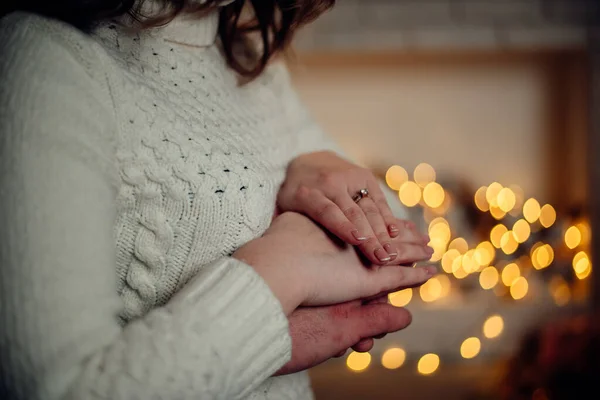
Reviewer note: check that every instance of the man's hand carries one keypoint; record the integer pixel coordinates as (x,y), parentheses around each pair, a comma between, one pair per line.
(320,333)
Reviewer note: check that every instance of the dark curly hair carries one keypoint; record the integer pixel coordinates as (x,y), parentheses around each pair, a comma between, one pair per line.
(275,21)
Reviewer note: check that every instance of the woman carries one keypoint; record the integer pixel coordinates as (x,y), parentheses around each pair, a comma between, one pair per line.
(147,137)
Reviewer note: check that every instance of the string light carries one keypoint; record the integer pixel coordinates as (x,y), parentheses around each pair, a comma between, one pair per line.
(448,260)
(480,201)
(459,244)
(506,199)
(508,243)
(496,235)
(428,364)
(491,194)
(433,195)
(393,358)
(395,177)
(521,231)
(542,256)
(547,216)
(531,210)
(470,347)
(519,288)
(423,174)
(572,237)
(401,298)
(497,213)
(493,326)
(358,361)
(431,290)
(410,194)
(488,278)
(510,273)
(485,253)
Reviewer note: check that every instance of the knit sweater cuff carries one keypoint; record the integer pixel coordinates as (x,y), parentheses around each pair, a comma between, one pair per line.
(246,317)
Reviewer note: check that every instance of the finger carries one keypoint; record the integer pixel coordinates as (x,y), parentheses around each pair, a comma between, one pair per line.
(368,244)
(411,253)
(320,209)
(380,336)
(378,319)
(389,278)
(340,354)
(382,299)
(364,345)
(408,233)
(371,211)
(380,201)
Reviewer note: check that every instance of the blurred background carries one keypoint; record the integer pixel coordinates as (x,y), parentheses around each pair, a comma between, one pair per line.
(482,117)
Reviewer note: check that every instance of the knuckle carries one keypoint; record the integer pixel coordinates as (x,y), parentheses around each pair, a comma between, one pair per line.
(302,193)
(329,179)
(353,213)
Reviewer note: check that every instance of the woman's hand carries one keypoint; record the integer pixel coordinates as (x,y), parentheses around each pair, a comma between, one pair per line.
(304,266)
(321,185)
(320,333)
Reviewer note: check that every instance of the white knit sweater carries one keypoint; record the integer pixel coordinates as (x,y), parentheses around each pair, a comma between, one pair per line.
(147,139)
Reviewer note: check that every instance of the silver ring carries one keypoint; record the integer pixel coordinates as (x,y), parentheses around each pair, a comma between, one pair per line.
(360,195)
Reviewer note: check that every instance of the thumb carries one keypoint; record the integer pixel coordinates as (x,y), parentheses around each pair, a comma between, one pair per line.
(380,318)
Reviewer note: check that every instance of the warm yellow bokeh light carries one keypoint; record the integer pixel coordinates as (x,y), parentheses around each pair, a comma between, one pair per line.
(491,194)
(445,283)
(496,235)
(584,229)
(459,273)
(542,256)
(506,200)
(395,177)
(508,243)
(470,347)
(448,258)
(497,213)
(431,290)
(493,326)
(439,229)
(582,265)
(521,231)
(428,364)
(485,253)
(400,298)
(433,194)
(585,273)
(393,358)
(572,237)
(488,278)
(547,216)
(531,210)
(439,247)
(560,291)
(519,197)
(423,174)
(519,288)
(459,244)
(480,200)
(409,194)
(469,263)
(358,361)
(510,273)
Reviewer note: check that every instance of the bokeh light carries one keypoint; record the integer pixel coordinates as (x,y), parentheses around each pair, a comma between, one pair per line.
(400,298)
(508,243)
(493,327)
(572,237)
(547,216)
(560,291)
(433,195)
(395,177)
(488,278)
(423,174)
(519,288)
(431,290)
(510,273)
(470,347)
(459,244)
(531,210)
(496,235)
(358,361)
(506,199)
(428,364)
(521,231)
(542,256)
(480,201)
(393,358)
(409,194)
(491,194)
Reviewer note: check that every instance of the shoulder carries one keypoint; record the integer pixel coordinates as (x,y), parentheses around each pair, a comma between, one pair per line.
(54,84)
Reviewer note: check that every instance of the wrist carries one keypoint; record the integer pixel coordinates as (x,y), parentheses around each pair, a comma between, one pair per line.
(284,284)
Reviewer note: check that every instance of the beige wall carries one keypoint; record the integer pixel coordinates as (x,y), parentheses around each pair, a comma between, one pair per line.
(481,120)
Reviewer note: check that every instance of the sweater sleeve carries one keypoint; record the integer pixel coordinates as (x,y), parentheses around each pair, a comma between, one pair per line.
(60,338)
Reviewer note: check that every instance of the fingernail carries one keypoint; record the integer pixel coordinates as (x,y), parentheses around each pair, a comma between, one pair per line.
(393,229)
(382,255)
(358,236)
(390,250)
(429,250)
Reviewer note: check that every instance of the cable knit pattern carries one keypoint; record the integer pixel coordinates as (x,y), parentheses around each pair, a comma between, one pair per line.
(149,136)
